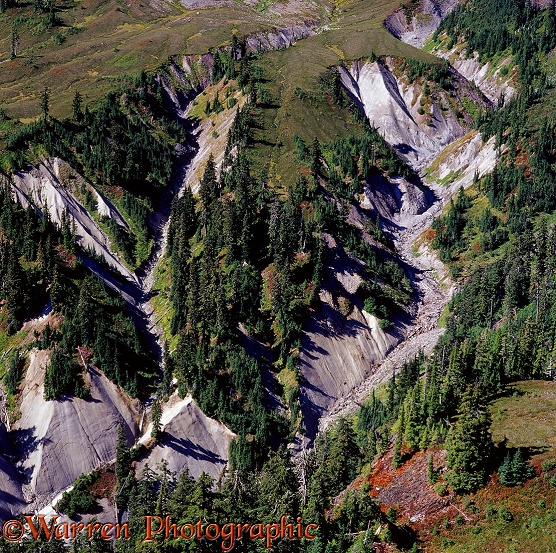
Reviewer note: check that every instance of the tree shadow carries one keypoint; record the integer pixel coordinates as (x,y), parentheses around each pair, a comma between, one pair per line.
(187,448)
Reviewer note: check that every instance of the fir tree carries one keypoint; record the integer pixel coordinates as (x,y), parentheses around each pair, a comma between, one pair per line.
(432,474)
(156,416)
(515,469)
(123,468)
(14,44)
(505,471)
(208,187)
(397,456)
(469,444)
(77,107)
(316,155)
(45,102)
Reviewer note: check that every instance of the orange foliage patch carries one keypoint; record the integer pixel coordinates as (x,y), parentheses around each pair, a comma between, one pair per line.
(429,234)
(105,485)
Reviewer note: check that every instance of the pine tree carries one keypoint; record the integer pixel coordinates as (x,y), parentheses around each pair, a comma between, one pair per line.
(413,419)
(397,456)
(505,471)
(168,364)
(469,444)
(15,286)
(156,416)
(277,486)
(56,290)
(14,45)
(77,107)
(521,467)
(316,155)
(208,187)
(45,102)
(515,469)
(123,468)
(432,474)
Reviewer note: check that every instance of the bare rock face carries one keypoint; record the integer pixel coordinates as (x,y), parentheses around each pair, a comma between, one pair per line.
(106,208)
(461,161)
(392,106)
(11,495)
(394,198)
(281,38)
(341,343)
(424,21)
(204,4)
(43,188)
(189,439)
(211,139)
(492,82)
(421,23)
(59,440)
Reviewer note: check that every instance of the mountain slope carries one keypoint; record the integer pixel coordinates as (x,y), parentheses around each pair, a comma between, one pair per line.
(299,241)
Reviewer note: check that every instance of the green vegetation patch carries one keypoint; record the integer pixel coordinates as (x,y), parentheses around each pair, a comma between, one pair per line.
(527,415)
(499,519)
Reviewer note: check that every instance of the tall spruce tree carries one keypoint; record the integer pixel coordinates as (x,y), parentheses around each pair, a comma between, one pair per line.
(469,443)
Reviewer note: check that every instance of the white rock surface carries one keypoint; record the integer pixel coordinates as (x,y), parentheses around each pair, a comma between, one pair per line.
(59,440)
(338,351)
(211,139)
(491,82)
(106,208)
(423,22)
(465,158)
(11,495)
(42,187)
(190,439)
(391,106)
(394,198)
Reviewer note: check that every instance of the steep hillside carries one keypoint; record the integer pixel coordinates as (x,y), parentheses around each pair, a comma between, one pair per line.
(189,440)
(86,46)
(43,187)
(88,429)
(249,239)
(413,22)
(397,106)
(139,235)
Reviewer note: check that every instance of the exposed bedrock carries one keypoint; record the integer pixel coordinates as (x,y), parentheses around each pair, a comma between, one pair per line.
(189,440)
(56,441)
(341,342)
(415,27)
(393,106)
(424,20)
(45,187)
(345,353)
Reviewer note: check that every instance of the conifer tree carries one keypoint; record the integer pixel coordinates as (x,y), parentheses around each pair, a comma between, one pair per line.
(515,469)
(397,456)
(432,474)
(77,107)
(14,45)
(208,187)
(505,471)
(156,416)
(45,102)
(123,466)
(316,155)
(469,443)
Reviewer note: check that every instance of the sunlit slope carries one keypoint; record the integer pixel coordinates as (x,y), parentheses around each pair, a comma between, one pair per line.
(95,42)
(355,32)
